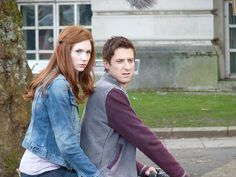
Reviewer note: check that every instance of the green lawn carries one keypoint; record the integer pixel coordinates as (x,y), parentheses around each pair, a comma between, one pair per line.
(184,109)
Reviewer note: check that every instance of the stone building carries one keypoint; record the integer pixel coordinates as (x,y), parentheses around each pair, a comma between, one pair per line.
(181,44)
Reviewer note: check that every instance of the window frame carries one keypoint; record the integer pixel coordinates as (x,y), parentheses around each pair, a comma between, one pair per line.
(228,50)
(37,63)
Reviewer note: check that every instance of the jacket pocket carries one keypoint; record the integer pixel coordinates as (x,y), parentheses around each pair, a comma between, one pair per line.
(116,157)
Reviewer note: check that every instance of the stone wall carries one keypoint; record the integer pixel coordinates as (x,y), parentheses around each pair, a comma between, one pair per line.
(177,68)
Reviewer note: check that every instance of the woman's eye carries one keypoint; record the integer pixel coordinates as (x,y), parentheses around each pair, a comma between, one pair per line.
(79,51)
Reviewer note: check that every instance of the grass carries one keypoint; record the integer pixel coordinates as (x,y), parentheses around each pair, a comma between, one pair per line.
(184,109)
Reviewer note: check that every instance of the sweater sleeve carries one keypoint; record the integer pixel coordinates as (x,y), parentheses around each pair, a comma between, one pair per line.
(123,119)
(141,169)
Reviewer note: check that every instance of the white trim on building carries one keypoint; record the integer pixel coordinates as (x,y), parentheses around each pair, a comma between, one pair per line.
(229,50)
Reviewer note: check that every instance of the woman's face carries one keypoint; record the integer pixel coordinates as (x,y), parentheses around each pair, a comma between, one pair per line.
(81,54)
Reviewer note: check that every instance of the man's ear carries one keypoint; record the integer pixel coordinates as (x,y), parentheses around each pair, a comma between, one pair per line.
(106,65)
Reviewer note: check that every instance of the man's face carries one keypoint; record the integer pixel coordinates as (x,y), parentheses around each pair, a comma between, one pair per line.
(122,66)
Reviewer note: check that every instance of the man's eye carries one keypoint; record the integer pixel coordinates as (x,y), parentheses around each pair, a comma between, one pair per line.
(130,60)
(119,61)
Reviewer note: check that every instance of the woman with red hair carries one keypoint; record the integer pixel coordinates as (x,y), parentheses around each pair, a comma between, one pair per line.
(52,141)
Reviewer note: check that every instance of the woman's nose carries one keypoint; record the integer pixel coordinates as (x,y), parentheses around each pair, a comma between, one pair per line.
(84,56)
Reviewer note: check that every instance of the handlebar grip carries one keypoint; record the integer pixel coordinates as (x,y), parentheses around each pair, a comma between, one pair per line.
(159,173)
(152,174)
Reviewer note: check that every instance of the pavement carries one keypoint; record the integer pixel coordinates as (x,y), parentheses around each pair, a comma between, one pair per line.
(202,138)
(228,170)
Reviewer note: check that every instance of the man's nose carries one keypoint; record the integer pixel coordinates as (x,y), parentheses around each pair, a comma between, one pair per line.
(126,65)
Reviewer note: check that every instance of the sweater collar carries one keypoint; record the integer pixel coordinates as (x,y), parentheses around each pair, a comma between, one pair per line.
(112,80)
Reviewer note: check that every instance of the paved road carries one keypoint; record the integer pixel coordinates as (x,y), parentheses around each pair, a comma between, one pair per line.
(203,157)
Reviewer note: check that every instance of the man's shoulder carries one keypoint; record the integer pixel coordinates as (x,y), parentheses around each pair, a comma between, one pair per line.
(103,86)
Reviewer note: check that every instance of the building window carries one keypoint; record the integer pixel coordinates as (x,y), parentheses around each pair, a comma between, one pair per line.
(42,23)
(230,40)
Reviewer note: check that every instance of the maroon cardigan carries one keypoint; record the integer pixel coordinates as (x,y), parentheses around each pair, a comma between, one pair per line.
(122,118)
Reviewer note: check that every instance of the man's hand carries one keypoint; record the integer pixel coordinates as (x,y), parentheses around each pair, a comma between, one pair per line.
(155,172)
(151,169)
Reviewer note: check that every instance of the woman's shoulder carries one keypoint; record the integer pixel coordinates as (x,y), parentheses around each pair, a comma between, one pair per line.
(59,82)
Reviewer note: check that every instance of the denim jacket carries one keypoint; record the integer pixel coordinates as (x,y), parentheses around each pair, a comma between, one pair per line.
(54,130)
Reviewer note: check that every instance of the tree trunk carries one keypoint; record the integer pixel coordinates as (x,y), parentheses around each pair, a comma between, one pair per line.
(14,76)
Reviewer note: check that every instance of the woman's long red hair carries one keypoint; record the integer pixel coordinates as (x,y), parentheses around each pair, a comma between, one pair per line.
(61,63)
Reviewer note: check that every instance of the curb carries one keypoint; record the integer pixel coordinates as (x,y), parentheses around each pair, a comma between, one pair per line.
(195,132)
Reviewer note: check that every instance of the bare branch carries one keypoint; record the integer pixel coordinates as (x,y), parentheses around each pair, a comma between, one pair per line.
(141,4)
